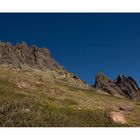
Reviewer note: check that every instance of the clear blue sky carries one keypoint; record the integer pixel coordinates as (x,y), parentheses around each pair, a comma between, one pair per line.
(84,43)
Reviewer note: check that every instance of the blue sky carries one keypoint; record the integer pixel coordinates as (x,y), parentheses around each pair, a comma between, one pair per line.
(84,43)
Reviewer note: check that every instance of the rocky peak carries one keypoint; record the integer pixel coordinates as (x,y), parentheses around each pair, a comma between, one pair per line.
(22,54)
(128,86)
(102,82)
(101,77)
(124,86)
(32,57)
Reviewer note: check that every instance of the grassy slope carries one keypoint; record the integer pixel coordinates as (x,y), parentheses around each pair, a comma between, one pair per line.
(42,103)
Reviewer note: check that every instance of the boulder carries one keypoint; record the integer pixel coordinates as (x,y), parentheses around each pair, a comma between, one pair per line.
(117,117)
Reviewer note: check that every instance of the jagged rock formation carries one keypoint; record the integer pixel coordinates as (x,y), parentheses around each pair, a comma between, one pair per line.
(21,56)
(123,86)
(104,83)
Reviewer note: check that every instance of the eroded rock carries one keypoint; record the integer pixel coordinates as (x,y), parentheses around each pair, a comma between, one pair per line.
(22,56)
(123,86)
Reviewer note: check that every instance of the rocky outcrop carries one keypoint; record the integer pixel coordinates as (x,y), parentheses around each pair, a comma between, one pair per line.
(128,86)
(123,86)
(104,83)
(22,56)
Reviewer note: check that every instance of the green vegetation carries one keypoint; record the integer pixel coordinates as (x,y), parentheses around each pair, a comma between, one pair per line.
(55,105)
(17,109)
(26,113)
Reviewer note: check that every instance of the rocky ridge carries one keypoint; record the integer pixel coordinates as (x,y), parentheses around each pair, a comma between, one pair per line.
(122,86)
(23,56)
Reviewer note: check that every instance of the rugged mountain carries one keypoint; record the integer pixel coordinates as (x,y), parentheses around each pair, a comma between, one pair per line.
(36,91)
(122,86)
(34,58)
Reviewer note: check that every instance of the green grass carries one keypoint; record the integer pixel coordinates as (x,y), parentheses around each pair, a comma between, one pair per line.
(21,110)
(68,106)
(70,117)
(14,114)
(69,102)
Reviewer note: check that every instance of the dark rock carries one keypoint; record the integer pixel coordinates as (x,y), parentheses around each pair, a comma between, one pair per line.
(128,86)
(127,108)
(123,86)
(75,77)
(107,85)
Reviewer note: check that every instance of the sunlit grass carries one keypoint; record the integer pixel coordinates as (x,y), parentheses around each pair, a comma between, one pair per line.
(49,104)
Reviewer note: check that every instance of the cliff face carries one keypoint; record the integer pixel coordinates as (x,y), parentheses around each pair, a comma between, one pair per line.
(123,86)
(33,57)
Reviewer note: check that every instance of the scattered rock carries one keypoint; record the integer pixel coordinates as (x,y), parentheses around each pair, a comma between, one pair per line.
(23,84)
(117,117)
(26,110)
(55,91)
(79,108)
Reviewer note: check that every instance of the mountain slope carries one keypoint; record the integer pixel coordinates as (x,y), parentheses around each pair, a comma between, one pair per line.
(36,91)
(22,56)
(25,100)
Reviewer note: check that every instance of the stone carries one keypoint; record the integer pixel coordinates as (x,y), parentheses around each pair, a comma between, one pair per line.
(117,117)
(23,84)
